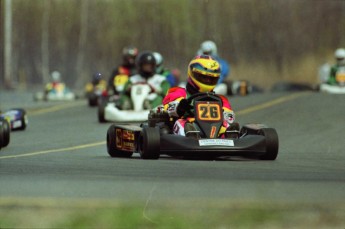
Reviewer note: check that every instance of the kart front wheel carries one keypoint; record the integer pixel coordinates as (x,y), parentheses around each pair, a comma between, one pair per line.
(23,118)
(149,143)
(4,133)
(113,151)
(93,100)
(272,143)
(101,113)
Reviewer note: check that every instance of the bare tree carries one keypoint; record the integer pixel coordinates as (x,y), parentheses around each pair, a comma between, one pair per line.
(45,42)
(81,44)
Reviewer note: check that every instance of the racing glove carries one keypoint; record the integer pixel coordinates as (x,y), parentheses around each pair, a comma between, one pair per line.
(183,107)
(178,108)
(229,116)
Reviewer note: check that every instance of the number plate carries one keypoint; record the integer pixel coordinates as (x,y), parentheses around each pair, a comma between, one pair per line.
(120,80)
(208,111)
(216,142)
(124,140)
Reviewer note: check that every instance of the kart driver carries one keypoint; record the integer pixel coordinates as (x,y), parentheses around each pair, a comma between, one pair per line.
(146,67)
(337,70)
(160,69)
(203,75)
(56,82)
(120,74)
(97,82)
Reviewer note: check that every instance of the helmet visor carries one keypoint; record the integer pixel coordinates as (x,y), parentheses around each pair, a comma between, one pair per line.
(205,79)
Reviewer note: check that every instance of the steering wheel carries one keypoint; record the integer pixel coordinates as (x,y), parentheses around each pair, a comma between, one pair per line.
(190,98)
(188,106)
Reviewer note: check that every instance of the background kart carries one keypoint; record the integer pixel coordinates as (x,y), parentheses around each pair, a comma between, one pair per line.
(338,88)
(4,133)
(155,137)
(324,74)
(96,94)
(109,111)
(17,118)
(59,93)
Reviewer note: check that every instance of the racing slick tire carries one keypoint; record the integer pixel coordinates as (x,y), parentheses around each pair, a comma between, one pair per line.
(149,143)
(92,100)
(272,143)
(101,113)
(111,145)
(5,130)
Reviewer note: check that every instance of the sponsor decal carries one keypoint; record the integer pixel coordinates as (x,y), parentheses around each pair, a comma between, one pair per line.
(216,142)
(213,131)
(128,146)
(124,139)
(127,135)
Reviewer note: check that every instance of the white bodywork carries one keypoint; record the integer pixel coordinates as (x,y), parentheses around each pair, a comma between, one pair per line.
(221,89)
(333,89)
(61,96)
(139,93)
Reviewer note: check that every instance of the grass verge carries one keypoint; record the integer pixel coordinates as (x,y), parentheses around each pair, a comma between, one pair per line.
(55,213)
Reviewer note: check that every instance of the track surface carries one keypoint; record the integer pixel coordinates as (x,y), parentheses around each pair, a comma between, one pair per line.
(62,154)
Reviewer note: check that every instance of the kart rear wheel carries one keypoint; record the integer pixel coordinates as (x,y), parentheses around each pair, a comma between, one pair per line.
(149,143)
(111,145)
(272,143)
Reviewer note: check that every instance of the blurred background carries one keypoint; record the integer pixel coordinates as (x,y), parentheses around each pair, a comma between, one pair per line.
(265,41)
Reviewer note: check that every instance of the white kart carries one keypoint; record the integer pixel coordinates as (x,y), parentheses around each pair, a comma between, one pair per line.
(59,93)
(339,88)
(111,113)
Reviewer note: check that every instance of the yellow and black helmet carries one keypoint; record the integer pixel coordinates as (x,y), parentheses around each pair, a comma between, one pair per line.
(203,73)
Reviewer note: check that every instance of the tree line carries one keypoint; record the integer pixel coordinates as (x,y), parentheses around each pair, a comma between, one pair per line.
(262,39)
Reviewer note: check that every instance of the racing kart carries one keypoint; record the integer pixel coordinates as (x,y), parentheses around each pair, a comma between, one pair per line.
(59,93)
(155,137)
(110,111)
(338,88)
(17,118)
(4,133)
(95,94)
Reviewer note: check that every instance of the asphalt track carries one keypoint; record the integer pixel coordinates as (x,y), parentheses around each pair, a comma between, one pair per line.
(62,155)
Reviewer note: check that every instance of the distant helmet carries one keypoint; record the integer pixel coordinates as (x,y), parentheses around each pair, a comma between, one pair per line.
(340,56)
(146,64)
(159,62)
(129,54)
(203,73)
(96,78)
(208,48)
(56,76)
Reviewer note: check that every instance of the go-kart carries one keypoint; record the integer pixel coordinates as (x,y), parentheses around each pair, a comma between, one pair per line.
(155,137)
(17,118)
(95,94)
(338,88)
(4,133)
(58,93)
(111,112)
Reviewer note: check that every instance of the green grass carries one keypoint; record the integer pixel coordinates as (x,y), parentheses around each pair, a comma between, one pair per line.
(38,213)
